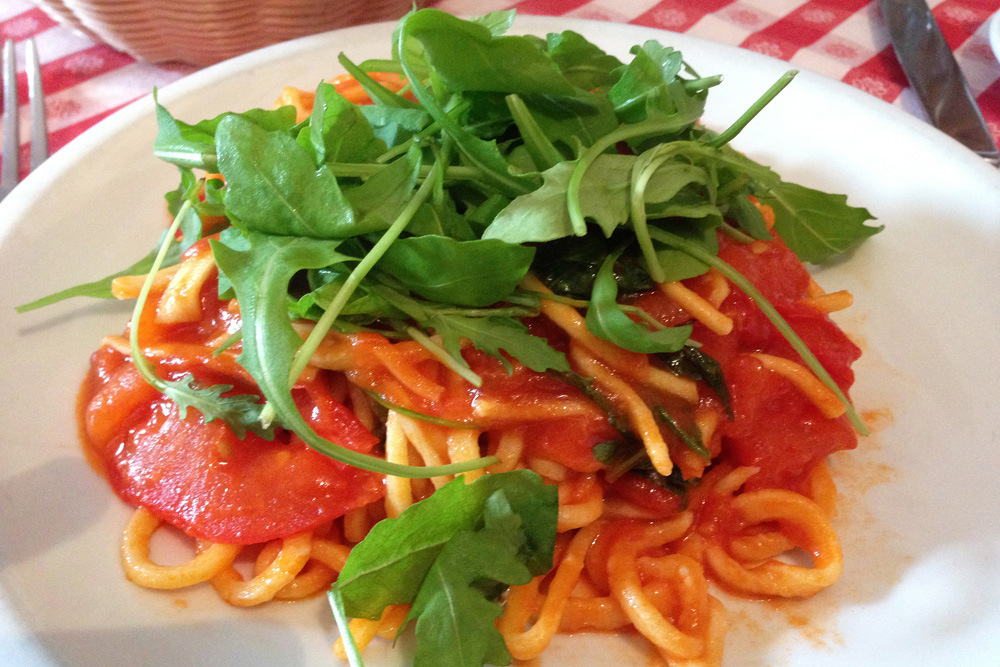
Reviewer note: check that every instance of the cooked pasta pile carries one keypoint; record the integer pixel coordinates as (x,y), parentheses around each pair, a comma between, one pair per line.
(630,554)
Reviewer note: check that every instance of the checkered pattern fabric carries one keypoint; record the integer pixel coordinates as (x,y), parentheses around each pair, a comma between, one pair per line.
(841,39)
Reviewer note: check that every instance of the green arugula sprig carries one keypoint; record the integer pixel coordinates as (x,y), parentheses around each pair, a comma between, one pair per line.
(241,412)
(450,556)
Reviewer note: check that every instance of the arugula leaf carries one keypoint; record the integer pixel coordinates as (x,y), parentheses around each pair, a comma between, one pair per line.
(493,334)
(193,146)
(748,217)
(378,201)
(394,125)
(469,638)
(236,411)
(678,265)
(240,412)
(466,55)
(179,143)
(651,69)
(273,185)
(484,155)
(101,289)
(573,122)
(489,334)
(497,22)
(338,131)
(466,273)
(584,64)
(542,215)
(816,225)
(391,564)
(606,320)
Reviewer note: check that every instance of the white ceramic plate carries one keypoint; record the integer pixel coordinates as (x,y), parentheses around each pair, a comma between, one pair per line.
(919,510)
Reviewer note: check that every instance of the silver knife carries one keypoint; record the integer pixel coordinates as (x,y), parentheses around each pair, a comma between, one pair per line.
(935,76)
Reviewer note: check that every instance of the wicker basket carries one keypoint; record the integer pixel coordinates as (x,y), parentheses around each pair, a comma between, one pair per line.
(202,32)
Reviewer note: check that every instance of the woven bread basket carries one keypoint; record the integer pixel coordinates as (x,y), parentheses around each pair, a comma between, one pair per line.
(202,32)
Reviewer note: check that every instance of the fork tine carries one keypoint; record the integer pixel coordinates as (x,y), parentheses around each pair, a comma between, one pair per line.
(36,102)
(11,141)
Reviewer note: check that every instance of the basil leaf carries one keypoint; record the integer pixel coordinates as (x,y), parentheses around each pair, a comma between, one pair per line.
(691,440)
(695,364)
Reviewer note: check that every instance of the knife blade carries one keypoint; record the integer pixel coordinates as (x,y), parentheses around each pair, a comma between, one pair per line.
(935,76)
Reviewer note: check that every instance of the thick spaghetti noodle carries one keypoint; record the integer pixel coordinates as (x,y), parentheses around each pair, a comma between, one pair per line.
(679,466)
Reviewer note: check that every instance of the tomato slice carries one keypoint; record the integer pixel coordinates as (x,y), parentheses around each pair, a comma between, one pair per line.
(211,485)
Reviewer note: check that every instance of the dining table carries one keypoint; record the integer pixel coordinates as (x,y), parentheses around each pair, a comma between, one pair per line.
(85,80)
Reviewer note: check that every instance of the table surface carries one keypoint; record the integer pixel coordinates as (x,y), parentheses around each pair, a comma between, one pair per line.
(847,40)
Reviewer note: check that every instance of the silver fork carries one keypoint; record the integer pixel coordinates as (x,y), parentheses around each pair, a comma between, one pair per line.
(11,139)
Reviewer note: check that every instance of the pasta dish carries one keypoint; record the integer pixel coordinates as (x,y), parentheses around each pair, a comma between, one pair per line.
(490,338)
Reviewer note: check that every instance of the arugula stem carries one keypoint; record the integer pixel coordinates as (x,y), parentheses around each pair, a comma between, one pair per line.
(233,338)
(692,86)
(623,133)
(770,311)
(375,89)
(512,311)
(366,169)
(569,301)
(380,65)
(420,416)
(492,167)
(542,152)
(730,133)
(336,599)
(138,359)
(734,233)
(644,170)
(653,323)
(354,279)
(445,358)
(400,149)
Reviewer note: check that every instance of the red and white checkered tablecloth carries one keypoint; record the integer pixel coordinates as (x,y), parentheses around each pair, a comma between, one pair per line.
(843,39)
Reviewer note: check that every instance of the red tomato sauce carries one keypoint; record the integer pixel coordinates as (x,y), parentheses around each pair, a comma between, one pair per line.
(775,426)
